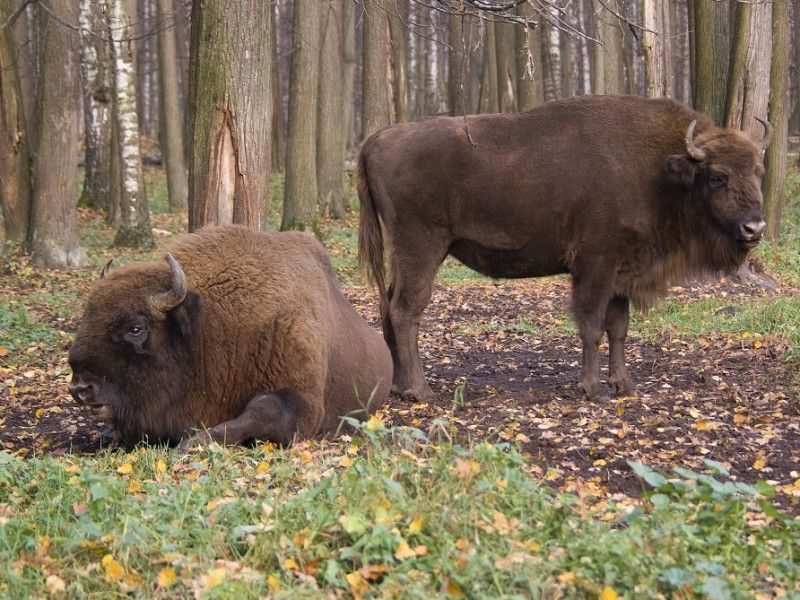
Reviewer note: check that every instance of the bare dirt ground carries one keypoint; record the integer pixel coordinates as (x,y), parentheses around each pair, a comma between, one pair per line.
(726,398)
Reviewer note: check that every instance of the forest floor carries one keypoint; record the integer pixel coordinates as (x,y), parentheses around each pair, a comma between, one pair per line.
(715,364)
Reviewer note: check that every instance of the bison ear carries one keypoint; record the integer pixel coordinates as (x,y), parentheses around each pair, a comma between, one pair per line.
(186,316)
(682,169)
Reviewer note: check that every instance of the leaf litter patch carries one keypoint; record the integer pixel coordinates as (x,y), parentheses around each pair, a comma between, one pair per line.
(503,361)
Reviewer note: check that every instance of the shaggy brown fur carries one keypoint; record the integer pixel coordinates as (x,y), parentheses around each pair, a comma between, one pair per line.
(605,188)
(263,345)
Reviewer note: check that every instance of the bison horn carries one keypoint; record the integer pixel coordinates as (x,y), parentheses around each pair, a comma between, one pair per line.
(764,141)
(106,269)
(692,150)
(168,300)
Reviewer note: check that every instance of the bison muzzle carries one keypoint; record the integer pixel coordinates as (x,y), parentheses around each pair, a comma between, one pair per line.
(241,332)
(626,194)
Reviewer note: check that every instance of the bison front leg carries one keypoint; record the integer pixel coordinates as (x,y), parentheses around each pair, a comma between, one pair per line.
(590,298)
(271,417)
(616,325)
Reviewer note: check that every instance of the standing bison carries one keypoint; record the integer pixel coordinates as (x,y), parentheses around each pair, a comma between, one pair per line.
(629,195)
(239,331)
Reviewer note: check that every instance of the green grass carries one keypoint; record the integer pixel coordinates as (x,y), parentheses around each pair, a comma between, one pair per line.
(391,514)
(19,330)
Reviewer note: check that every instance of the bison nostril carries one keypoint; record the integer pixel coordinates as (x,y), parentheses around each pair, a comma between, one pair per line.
(82,392)
(752,230)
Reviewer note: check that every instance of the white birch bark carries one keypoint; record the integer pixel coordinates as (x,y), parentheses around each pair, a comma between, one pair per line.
(134,223)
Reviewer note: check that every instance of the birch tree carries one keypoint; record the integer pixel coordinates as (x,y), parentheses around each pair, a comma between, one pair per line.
(230,110)
(171,118)
(656,48)
(54,234)
(96,79)
(133,228)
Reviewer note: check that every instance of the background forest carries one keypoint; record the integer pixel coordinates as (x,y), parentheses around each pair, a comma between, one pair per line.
(224,93)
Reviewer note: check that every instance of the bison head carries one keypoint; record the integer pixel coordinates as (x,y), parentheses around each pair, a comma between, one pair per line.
(131,356)
(722,172)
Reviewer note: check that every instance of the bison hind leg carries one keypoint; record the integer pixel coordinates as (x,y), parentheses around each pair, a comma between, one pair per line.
(616,326)
(271,417)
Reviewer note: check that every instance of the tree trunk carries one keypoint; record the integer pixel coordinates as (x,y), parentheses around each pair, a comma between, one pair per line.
(748,88)
(375,104)
(529,62)
(506,69)
(134,216)
(488,97)
(15,166)
(711,57)
(774,197)
(552,62)
(96,80)
(567,53)
(397,30)
(301,191)
(608,59)
(278,115)
(230,107)
(656,48)
(331,127)
(171,118)
(459,101)
(350,60)
(54,237)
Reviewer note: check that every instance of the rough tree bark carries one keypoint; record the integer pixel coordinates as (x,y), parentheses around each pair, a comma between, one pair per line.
(779,109)
(506,69)
(15,166)
(301,190)
(711,46)
(749,76)
(331,132)
(171,116)
(458,87)
(54,234)
(97,86)
(608,59)
(278,115)
(529,62)
(399,58)
(375,107)
(656,48)
(487,102)
(350,60)
(133,228)
(230,113)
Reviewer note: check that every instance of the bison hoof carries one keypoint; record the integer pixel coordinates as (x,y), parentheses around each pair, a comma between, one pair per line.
(196,441)
(594,391)
(623,386)
(412,395)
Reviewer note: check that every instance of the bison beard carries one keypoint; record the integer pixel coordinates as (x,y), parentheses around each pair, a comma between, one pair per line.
(626,194)
(242,332)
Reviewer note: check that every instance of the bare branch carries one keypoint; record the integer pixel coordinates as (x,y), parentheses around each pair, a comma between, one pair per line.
(15,14)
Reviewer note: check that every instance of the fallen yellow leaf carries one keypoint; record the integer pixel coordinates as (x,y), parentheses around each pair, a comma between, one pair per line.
(125,469)
(416,525)
(39,413)
(290,564)
(608,593)
(759,464)
(55,585)
(404,551)
(465,468)
(262,468)
(345,461)
(358,585)
(273,582)
(113,570)
(161,466)
(134,487)
(453,589)
(166,577)
(213,578)
(567,577)
(374,423)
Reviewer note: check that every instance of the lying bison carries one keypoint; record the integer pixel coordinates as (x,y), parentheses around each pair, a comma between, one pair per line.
(627,194)
(242,332)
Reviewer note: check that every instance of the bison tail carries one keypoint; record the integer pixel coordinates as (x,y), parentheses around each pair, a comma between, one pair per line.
(370,236)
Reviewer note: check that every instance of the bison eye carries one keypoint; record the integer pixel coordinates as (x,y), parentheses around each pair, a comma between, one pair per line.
(136,331)
(716,180)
